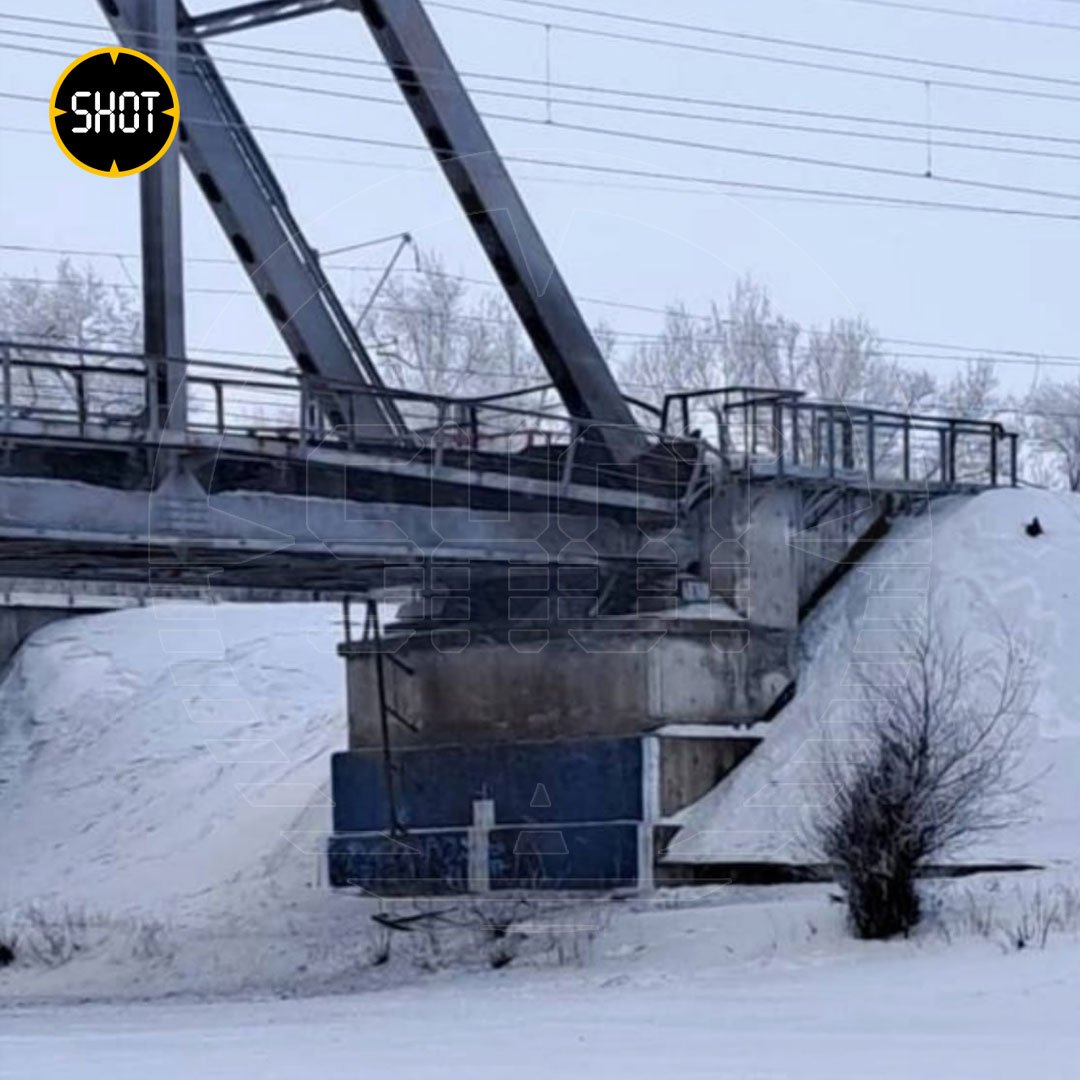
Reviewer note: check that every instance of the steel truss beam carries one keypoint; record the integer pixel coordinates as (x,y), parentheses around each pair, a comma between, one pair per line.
(245,16)
(244,195)
(162,247)
(511,240)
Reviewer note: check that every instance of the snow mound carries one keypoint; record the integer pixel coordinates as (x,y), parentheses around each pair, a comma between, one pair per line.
(973,561)
(156,756)
(160,754)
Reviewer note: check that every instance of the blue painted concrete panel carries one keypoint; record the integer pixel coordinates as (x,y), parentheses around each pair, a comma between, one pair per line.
(420,864)
(358,788)
(587,857)
(424,863)
(574,780)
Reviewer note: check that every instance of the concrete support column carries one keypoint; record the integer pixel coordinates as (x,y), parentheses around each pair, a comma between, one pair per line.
(773,572)
(480,846)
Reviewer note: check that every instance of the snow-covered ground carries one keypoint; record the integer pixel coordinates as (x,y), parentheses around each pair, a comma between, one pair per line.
(163,798)
(164,788)
(969,564)
(669,993)
(153,756)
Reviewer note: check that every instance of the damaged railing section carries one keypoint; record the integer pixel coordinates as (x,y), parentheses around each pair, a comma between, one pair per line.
(776,432)
(62,391)
(94,388)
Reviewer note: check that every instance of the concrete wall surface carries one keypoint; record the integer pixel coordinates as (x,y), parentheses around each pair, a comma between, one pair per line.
(492,692)
(18,623)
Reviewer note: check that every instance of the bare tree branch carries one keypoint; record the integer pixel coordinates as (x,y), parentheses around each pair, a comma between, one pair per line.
(939,767)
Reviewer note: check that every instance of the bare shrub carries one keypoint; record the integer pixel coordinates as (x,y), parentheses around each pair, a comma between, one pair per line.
(1069,901)
(563,932)
(494,921)
(978,915)
(498,931)
(1023,918)
(424,931)
(52,936)
(1036,921)
(150,941)
(935,767)
(1043,913)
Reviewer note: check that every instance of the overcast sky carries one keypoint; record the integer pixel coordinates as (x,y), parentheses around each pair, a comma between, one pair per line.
(937,275)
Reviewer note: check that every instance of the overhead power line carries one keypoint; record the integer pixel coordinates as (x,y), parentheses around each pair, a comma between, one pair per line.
(799,159)
(868,198)
(546,98)
(542,95)
(699,47)
(756,124)
(764,39)
(878,170)
(681,188)
(874,73)
(982,16)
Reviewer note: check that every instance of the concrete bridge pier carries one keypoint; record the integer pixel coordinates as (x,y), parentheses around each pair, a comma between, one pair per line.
(554,753)
(18,623)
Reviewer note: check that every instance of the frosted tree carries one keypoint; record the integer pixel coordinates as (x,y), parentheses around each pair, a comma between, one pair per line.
(758,346)
(845,363)
(972,393)
(432,335)
(842,361)
(1053,425)
(75,310)
(748,343)
(745,344)
(685,356)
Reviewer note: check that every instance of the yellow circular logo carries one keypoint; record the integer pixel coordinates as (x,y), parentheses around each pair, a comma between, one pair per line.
(114,112)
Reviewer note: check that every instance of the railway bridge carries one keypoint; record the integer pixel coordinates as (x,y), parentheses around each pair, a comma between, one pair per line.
(598,594)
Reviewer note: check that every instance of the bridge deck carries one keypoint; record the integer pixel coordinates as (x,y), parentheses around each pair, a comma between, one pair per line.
(261,489)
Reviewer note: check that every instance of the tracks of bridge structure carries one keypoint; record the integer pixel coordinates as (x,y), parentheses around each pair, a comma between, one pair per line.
(261,491)
(261,488)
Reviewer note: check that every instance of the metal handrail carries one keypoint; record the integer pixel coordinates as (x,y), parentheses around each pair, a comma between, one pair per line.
(780,431)
(72,396)
(205,372)
(757,428)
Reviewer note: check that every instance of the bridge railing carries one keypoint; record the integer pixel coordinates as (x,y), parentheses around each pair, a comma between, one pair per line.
(768,431)
(67,391)
(760,430)
(89,387)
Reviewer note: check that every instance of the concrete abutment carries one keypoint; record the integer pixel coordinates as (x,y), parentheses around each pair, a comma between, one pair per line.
(620,722)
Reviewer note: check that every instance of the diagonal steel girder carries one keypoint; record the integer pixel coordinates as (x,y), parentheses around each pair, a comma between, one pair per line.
(250,206)
(256,13)
(495,209)
(468,157)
